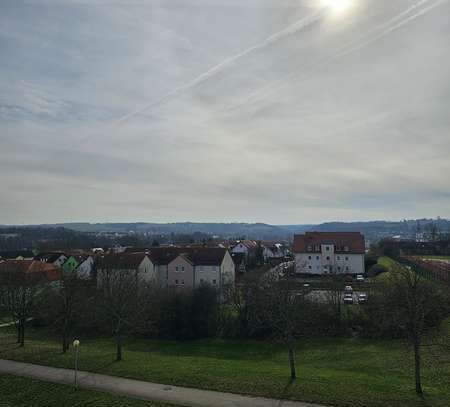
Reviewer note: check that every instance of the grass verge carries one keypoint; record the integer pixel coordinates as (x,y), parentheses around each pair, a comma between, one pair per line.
(24,392)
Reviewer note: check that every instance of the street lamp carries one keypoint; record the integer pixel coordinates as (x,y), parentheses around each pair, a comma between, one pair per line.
(76,345)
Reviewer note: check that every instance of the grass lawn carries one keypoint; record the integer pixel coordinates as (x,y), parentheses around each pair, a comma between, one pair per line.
(339,372)
(386,262)
(24,392)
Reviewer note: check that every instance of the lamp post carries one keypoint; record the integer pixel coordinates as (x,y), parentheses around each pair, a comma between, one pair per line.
(76,345)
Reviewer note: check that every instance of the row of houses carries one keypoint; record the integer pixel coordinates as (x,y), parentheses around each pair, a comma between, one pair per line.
(178,267)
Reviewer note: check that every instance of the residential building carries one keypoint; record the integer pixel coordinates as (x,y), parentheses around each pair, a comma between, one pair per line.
(248,247)
(329,252)
(85,266)
(49,272)
(70,264)
(137,264)
(189,267)
(273,251)
(55,258)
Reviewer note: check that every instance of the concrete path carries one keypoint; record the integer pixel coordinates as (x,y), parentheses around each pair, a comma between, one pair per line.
(13,323)
(143,390)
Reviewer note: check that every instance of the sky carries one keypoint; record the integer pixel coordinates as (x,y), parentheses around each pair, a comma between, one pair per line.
(276,111)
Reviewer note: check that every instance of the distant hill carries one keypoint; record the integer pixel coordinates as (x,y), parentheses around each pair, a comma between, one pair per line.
(224,230)
(373,230)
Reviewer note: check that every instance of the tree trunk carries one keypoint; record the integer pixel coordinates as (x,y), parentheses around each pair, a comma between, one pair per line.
(119,347)
(65,345)
(21,333)
(292,363)
(417,366)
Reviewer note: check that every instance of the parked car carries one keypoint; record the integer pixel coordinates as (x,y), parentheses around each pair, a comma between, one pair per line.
(360,278)
(362,298)
(348,299)
(348,289)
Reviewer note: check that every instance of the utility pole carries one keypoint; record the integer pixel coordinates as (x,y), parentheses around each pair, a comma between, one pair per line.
(76,345)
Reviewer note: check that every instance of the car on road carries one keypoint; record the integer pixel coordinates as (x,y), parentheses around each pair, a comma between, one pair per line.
(348,299)
(362,298)
(360,278)
(348,289)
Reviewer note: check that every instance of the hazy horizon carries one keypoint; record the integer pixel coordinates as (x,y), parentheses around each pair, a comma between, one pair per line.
(274,111)
(222,222)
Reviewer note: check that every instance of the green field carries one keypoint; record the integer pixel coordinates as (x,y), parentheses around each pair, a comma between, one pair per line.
(386,262)
(339,372)
(24,392)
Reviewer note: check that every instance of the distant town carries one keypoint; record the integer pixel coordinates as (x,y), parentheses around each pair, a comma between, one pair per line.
(115,285)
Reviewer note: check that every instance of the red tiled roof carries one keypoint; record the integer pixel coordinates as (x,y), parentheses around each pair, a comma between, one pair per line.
(354,241)
(51,272)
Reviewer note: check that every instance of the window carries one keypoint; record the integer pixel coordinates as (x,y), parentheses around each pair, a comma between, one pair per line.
(309,248)
(176,268)
(346,258)
(346,248)
(339,268)
(309,266)
(176,281)
(339,257)
(317,257)
(182,269)
(327,248)
(214,282)
(309,257)
(346,268)
(182,282)
(328,257)
(201,280)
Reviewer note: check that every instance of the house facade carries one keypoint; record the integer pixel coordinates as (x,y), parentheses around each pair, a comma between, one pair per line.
(136,264)
(180,272)
(85,267)
(247,247)
(55,258)
(273,251)
(329,252)
(194,267)
(189,267)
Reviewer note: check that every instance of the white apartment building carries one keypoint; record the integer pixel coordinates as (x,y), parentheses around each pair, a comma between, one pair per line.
(329,252)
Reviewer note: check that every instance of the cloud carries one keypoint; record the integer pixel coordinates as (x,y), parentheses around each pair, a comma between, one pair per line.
(362,136)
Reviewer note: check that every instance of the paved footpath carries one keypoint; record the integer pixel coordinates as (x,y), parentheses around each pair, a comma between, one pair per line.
(143,390)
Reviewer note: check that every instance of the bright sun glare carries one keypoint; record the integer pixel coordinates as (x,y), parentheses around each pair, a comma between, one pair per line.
(338,6)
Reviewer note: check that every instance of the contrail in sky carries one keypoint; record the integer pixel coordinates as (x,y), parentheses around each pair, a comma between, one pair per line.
(290,30)
(391,25)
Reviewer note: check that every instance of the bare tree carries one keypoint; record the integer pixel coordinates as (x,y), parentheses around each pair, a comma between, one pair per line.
(64,305)
(19,290)
(121,300)
(282,310)
(415,304)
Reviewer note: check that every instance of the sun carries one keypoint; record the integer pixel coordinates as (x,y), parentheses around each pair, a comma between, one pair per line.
(338,6)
